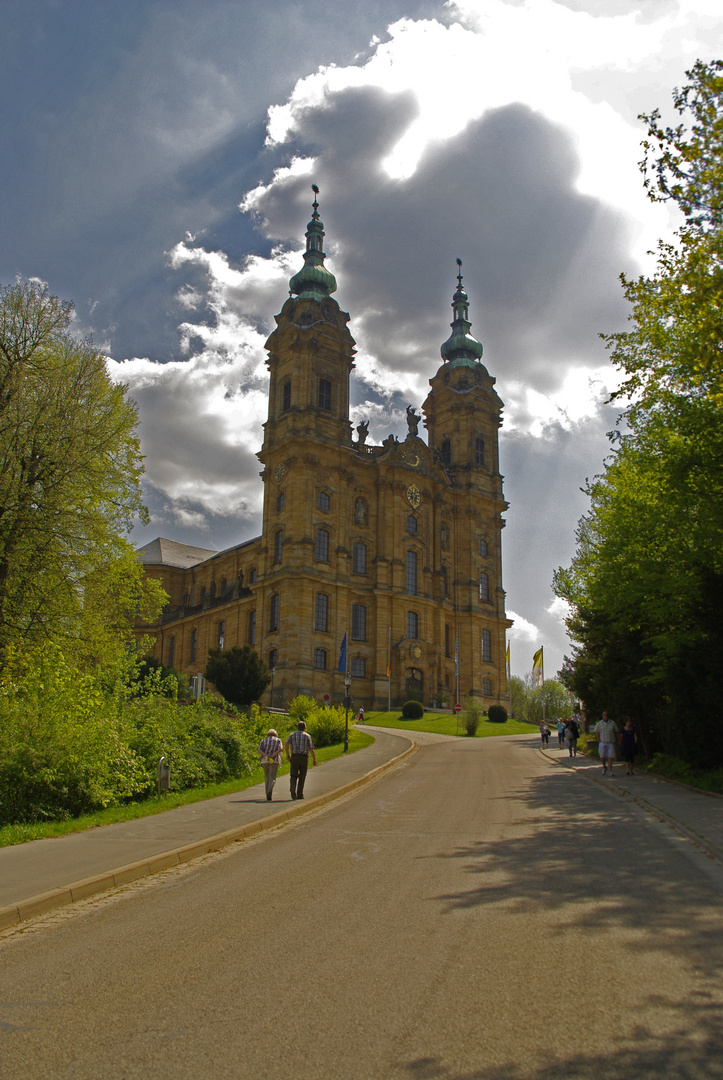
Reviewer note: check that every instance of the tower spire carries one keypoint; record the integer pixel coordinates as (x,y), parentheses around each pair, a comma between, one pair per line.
(313,280)
(461,348)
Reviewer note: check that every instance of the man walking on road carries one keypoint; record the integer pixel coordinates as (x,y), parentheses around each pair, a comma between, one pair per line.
(607,735)
(300,744)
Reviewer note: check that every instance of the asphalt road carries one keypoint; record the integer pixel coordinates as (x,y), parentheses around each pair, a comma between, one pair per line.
(478,912)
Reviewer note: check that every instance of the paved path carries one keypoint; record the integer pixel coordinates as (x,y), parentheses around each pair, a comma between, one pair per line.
(479,912)
(45,874)
(694,815)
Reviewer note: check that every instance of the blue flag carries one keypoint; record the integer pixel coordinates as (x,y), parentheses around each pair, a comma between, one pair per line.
(342,655)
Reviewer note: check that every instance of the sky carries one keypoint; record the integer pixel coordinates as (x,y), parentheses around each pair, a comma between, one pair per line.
(157,157)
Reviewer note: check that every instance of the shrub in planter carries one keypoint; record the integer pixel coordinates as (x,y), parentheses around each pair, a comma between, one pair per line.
(412,710)
(497,714)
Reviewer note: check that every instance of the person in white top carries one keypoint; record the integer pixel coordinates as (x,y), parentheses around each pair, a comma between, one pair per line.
(607,735)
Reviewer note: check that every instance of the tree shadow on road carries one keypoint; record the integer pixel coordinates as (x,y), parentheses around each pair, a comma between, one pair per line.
(586,858)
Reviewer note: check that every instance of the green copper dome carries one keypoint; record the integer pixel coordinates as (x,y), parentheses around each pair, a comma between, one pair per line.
(313,280)
(461,349)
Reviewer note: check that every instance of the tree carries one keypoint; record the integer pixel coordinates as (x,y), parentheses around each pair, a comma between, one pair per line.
(646,581)
(70,467)
(239,674)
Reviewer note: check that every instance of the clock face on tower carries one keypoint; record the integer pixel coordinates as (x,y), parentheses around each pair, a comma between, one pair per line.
(417,652)
(279,472)
(414,496)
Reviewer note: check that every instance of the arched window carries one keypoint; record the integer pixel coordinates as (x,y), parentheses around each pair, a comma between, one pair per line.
(322,545)
(320,659)
(323,501)
(274,613)
(359,559)
(447,639)
(212,592)
(194,646)
(412,524)
(171,651)
(321,612)
(359,667)
(479,451)
(358,622)
(412,624)
(486,647)
(483,549)
(280,500)
(487,687)
(445,452)
(273,657)
(221,638)
(324,399)
(278,543)
(252,627)
(411,573)
(484,587)
(286,396)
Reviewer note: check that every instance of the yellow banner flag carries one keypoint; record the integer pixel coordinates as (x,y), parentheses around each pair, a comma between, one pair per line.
(537,668)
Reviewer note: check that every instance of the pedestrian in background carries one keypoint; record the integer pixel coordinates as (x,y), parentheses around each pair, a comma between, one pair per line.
(629,745)
(607,734)
(572,733)
(560,732)
(270,749)
(298,747)
(544,734)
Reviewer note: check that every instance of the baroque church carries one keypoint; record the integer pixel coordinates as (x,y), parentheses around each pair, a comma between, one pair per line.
(393,551)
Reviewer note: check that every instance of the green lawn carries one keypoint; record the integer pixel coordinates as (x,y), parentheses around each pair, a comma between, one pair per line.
(447,724)
(18,834)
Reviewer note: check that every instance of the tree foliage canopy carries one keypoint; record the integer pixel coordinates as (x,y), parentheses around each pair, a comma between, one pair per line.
(70,467)
(239,674)
(646,581)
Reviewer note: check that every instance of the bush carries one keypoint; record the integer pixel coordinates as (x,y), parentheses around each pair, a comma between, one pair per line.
(471,716)
(69,744)
(412,710)
(497,714)
(326,726)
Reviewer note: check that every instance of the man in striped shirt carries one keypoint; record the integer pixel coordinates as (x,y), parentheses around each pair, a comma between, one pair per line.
(298,747)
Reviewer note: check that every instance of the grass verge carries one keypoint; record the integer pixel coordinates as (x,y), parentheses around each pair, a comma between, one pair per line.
(19,834)
(447,724)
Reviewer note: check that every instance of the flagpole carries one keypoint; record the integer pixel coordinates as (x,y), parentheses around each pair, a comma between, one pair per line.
(509,675)
(389,671)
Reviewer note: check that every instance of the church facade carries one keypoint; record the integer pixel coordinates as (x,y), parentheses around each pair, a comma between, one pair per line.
(394,550)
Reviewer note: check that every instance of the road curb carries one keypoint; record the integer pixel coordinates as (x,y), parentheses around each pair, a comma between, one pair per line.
(32,906)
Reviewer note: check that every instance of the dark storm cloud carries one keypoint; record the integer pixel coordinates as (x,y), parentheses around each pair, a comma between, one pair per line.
(540,260)
(135,122)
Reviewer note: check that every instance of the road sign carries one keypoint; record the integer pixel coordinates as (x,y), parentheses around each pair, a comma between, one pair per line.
(458,707)
(326,697)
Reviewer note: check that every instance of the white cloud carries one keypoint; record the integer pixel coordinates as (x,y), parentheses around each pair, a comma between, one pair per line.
(523,632)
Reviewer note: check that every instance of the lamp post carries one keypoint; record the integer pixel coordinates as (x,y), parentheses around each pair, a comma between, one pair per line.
(271,700)
(347,684)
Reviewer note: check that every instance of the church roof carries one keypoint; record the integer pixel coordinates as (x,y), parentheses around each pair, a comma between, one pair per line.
(161,552)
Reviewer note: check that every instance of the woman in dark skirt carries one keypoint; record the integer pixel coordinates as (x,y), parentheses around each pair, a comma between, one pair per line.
(628,745)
